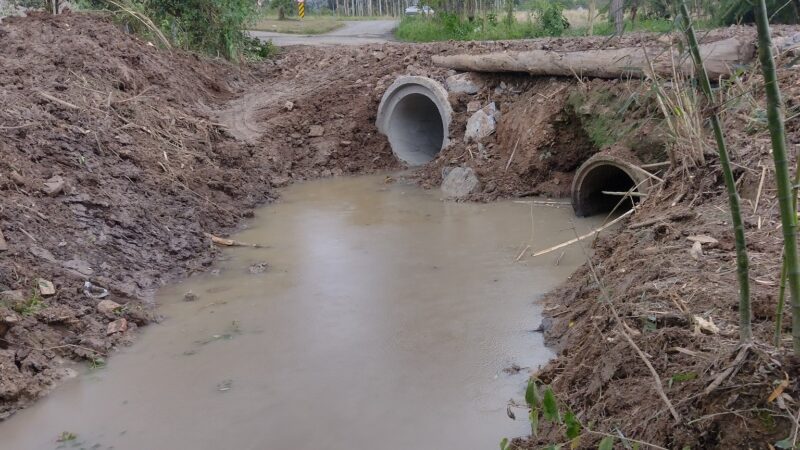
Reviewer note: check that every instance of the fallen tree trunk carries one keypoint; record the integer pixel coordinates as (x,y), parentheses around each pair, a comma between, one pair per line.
(721,59)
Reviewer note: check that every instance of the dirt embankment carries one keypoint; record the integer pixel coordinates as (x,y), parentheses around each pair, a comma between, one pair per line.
(118,157)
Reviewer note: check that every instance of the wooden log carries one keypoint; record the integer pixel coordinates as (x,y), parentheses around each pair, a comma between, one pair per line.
(721,59)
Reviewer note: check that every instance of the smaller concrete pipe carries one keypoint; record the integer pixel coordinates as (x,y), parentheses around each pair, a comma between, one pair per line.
(605,173)
(415,115)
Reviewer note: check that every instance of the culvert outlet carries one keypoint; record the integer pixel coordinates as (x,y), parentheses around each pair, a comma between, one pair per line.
(600,181)
(415,115)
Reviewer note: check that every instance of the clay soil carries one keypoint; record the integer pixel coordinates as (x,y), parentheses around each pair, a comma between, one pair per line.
(117,158)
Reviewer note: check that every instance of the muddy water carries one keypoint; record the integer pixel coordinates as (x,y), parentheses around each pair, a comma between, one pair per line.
(384,320)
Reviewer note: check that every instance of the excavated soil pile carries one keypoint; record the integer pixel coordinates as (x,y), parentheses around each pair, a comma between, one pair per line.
(680,305)
(112,168)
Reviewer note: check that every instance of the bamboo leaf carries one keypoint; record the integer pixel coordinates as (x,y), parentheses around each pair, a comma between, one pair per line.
(607,443)
(534,418)
(532,397)
(573,426)
(504,444)
(550,406)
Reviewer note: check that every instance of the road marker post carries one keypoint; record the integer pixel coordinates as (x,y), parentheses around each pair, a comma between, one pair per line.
(301,8)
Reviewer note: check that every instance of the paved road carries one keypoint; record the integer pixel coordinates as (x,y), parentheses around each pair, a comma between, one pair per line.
(355,32)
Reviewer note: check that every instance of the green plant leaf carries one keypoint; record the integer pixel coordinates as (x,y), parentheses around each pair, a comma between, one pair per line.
(573,426)
(504,444)
(607,443)
(532,397)
(550,406)
(784,443)
(534,418)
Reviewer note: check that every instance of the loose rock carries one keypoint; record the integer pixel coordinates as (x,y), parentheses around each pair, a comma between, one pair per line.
(54,186)
(259,267)
(462,83)
(288,106)
(189,296)
(46,287)
(108,308)
(8,319)
(316,131)
(473,106)
(117,326)
(479,126)
(460,182)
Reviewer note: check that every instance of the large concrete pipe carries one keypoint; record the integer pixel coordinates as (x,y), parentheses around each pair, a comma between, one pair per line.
(415,115)
(599,178)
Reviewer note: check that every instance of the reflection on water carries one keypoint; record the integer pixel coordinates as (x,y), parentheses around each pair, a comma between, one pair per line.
(384,320)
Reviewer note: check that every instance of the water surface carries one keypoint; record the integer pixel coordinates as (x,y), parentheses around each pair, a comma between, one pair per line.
(384,321)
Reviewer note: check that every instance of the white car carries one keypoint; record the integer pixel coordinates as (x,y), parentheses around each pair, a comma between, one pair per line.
(416,10)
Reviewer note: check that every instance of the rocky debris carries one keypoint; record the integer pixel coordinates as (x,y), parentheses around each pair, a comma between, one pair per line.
(482,123)
(108,308)
(46,287)
(473,106)
(12,297)
(379,55)
(78,265)
(259,267)
(189,296)
(288,106)
(462,83)
(460,182)
(117,326)
(54,186)
(42,253)
(93,291)
(316,131)
(18,179)
(8,319)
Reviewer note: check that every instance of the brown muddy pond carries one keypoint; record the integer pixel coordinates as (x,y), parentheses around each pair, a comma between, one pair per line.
(384,321)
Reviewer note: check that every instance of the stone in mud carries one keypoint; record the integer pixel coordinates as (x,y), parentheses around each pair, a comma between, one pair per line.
(473,106)
(316,131)
(54,186)
(462,83)
(108,308)
(78,265)
(8,319)
(117,326)
(288,106)
(460,182)
(46,287)
(12,297)
(189,296)
(480,125)
(259,267)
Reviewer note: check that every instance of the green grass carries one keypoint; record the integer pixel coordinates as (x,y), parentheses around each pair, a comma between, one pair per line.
(444,28)
(438,28)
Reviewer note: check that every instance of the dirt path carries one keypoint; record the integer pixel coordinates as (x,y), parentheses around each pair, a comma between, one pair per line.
(357,32)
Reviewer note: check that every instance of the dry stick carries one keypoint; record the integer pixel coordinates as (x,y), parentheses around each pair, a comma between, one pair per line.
(623,330)
(511,158)
(760,188)
(742,261)
(587,235)
(66,104)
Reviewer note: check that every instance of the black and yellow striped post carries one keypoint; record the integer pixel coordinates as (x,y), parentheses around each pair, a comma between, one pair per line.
(301,8)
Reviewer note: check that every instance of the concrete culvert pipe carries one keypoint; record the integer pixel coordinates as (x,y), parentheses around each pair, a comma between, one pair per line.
(599,178)
(415,115)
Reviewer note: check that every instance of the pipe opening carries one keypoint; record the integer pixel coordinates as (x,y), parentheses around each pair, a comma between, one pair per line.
(415,115)
(602,188)
(415,129)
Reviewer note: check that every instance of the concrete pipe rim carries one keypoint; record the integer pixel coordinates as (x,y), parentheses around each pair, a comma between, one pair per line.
(415,115)
(601,172)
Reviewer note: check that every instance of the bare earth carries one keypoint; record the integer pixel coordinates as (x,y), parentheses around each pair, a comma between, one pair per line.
(353,33)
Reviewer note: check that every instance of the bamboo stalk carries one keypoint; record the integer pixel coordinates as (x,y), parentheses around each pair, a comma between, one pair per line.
(777,134)
(742,261)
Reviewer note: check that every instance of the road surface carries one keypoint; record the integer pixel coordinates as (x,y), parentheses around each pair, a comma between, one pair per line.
(355,32)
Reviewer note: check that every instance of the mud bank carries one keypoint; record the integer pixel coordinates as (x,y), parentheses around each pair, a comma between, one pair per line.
(118,157)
